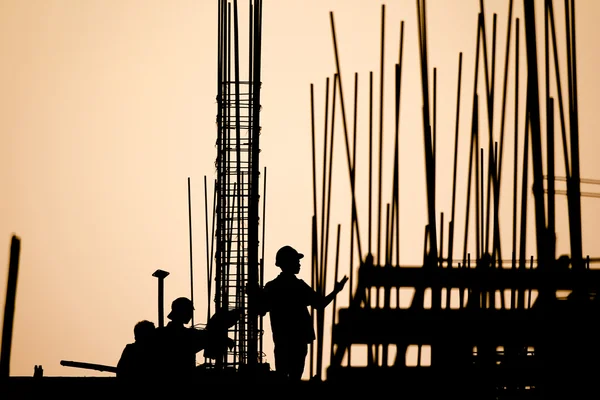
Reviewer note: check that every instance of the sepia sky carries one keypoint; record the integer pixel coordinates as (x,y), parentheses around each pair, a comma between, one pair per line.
(108,106)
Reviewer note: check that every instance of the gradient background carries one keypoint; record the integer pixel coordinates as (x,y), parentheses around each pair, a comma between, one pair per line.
(107,107)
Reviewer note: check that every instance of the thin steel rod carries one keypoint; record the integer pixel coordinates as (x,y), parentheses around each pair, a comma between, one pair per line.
(251,50)
(441,257)
(386,293)
(477,191)
(498,171)
(230,228)
(381,80)
(324,181)
(348,159)
(237,129)
(434,147)
(208,255)
(429,163)
(456,130)
(191,251)
(353,216)
(321,311)
(497,249)
(584,181)
(488,90)
(573,188)
(261,271)
(559,92)
(388,240)
(370,163)
(221,116)
(481,199)
(582,194)
(490,108)
(551,231)
(549,134)
(546,55)
(449,260)
(253,213)
(513,298)
(312,131)
(314,256)
(472,147)
(314,273)
(335,278)
(491,181)
(395,220)
(210,272)
(421,18)
(327,216)
(524,192)
(533,105)
(504,89)
(399,85)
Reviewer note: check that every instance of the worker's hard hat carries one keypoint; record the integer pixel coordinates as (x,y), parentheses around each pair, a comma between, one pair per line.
(287,255)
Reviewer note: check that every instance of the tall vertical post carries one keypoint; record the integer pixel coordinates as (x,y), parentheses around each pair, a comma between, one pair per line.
(237,188)
(253,262)
(161,275)
(9,306)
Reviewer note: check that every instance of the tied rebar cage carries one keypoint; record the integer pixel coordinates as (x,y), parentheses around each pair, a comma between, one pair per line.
(236,186)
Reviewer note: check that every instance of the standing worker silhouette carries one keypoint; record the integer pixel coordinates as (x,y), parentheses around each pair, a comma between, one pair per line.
(286,298)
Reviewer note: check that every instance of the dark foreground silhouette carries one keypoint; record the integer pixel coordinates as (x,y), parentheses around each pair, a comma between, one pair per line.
(169,353)
(287,298)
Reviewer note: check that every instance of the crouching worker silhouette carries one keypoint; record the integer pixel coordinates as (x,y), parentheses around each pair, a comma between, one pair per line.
(286,298)
(178,344)
(137,358)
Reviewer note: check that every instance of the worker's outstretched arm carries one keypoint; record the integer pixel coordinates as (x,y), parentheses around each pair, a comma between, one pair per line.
(339,286)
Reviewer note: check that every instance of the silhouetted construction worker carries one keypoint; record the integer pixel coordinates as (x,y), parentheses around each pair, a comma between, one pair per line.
(137,359)
(177,344)
(287,298)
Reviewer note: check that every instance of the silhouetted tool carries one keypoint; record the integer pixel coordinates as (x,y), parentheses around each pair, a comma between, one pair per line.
(97,367)
(161,275)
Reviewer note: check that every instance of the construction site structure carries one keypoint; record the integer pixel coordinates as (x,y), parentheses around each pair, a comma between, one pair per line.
(236,256)
(482,326)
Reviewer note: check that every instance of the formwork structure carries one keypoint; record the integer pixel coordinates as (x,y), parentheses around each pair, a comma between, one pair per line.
(237,186)
(493,327)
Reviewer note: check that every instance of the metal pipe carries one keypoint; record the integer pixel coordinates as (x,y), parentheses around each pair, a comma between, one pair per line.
(96,367)
(161,275)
